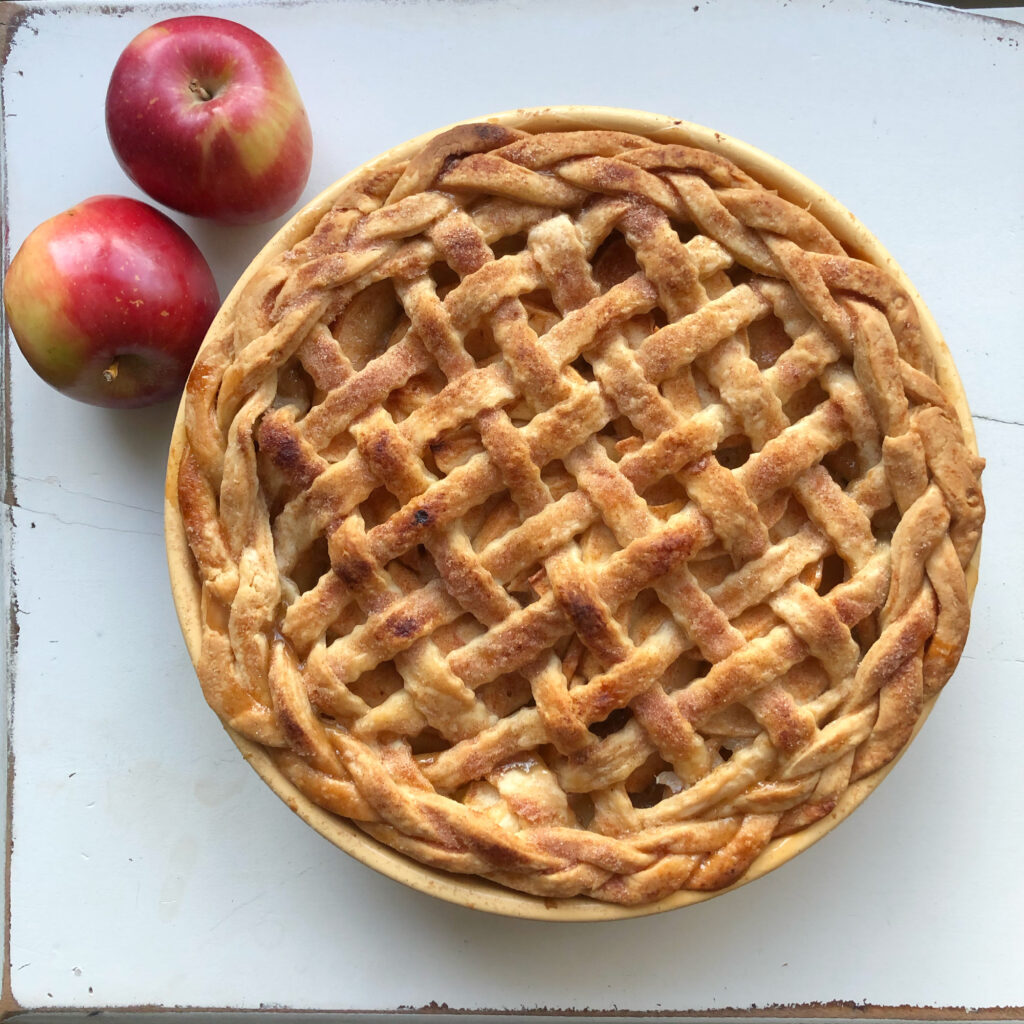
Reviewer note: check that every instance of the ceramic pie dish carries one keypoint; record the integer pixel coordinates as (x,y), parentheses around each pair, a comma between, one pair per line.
(573,513)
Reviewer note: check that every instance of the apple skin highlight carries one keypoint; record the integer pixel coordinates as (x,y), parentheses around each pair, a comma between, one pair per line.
(204,116)
(109,301)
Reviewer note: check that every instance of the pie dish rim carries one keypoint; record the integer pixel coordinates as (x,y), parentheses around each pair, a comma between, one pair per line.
(472,891)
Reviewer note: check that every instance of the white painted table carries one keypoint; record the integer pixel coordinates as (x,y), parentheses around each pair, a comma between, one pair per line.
(149,867)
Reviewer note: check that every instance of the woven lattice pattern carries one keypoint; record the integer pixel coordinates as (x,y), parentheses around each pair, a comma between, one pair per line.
(573,511)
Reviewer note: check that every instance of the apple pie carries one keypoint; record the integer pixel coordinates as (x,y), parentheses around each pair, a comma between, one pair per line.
(574,509)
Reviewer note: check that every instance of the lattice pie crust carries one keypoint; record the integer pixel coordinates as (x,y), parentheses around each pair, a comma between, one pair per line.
(573,511)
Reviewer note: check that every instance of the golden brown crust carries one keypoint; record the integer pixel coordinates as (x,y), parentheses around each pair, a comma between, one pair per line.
(572,511)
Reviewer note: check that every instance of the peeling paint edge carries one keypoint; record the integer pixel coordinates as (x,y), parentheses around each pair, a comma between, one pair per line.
(158,8)
(835,1012)
(166,8)
(13,16)
(956,11)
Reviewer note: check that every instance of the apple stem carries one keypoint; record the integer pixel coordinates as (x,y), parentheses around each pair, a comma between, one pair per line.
(110,373)
(198,89)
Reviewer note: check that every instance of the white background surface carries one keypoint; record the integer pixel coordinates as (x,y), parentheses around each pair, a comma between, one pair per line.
(149,865)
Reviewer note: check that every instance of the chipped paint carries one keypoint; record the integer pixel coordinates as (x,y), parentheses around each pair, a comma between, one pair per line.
(13,17)
(959,9)
(839,1012)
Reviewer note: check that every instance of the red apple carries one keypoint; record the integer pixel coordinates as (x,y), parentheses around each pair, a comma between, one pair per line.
(204,116)
(109,301)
